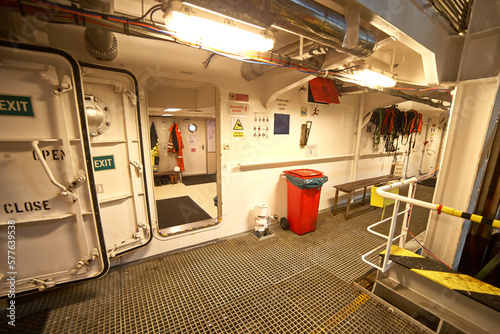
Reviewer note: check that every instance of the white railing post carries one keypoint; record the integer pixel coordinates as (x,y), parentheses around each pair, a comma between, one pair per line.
(407,217)
(386,262)
(395,211)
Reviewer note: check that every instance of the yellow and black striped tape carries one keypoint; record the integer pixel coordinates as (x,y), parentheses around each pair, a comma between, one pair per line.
(472,217)
(439,273)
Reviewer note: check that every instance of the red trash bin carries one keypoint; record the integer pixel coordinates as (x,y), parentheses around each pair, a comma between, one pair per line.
(303,199)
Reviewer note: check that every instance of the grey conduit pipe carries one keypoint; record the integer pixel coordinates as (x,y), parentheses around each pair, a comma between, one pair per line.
(313,55)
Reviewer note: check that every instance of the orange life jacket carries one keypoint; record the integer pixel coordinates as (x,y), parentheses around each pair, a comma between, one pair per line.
(175,145)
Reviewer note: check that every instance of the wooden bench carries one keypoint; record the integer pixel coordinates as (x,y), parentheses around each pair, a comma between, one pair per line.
(351,187)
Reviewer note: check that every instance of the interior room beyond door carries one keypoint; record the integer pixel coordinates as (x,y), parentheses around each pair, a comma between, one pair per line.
(195,146)
(185,200)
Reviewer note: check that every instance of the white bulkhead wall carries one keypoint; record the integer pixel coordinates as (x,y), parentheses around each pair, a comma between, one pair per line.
(333,131)
(476,104)
(471,61)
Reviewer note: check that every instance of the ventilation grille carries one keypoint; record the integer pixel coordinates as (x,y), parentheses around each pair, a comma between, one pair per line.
(457,12)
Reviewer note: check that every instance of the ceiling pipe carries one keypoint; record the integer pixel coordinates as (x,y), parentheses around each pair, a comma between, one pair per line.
(313,55)
(305,18)
(100,43)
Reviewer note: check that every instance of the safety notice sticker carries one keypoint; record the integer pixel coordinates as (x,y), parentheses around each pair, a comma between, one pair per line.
(16,105)
(238,97)
(238,127)
(104,162)
(237,108)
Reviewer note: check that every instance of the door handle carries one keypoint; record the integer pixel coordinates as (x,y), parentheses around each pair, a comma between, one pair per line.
(203,146)
(64,190)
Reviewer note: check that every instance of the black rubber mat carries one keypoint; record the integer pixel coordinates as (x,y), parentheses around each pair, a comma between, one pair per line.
(179,211)
(199,179)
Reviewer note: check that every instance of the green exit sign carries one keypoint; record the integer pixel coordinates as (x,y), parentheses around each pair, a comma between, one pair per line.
(11,105)
(104,162)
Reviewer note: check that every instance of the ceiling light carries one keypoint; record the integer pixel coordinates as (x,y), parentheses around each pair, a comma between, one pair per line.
(172,109)
(208,29)
(167,115)
(372,78)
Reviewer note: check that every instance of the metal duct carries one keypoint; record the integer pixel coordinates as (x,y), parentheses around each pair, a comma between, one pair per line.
(306,18)
(100,43)
(312,53)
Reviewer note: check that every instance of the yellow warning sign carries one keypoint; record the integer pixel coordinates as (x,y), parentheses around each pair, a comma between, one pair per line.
(238,134)
(238,125)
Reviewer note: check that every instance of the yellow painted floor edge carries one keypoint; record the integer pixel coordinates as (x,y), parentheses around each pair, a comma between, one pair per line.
(342,314)
(396,250)
(456,281)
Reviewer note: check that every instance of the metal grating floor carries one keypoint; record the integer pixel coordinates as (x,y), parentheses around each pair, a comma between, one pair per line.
(284,284)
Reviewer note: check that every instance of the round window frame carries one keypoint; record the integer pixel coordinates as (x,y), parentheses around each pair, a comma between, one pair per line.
(190,128)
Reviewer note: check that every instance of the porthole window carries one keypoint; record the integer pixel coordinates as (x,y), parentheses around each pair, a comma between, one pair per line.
(192,127)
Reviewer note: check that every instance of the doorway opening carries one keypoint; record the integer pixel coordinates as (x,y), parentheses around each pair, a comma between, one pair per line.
(184,136)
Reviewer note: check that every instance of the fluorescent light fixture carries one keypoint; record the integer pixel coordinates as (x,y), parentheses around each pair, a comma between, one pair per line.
(371,78)
(172,109)
(167,115)
(201,27)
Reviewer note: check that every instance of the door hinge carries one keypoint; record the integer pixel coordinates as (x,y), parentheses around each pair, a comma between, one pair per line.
(42,285)
(64,86)
(79,179)
(92,257)
(143,226)
(112,251)
(138,166)
(145,231)
(130,95)
(50,75)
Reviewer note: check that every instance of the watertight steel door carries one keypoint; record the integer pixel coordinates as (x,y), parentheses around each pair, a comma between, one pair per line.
(116,146)
(50,230)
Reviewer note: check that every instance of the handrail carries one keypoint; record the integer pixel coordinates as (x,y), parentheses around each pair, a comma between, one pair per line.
(369,228)
(377,155)
(288,163)
(383,191)
(386,262)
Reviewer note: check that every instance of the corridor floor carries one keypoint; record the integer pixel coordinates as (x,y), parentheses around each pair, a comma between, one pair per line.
(283,284)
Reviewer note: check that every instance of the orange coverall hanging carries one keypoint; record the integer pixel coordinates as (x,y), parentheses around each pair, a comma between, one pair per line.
(175,144)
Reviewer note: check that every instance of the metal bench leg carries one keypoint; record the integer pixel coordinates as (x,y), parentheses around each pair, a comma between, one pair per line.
(336,201)
(349,199)
(364,196)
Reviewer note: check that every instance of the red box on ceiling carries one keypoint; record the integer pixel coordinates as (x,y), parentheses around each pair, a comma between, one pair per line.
(323,91)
